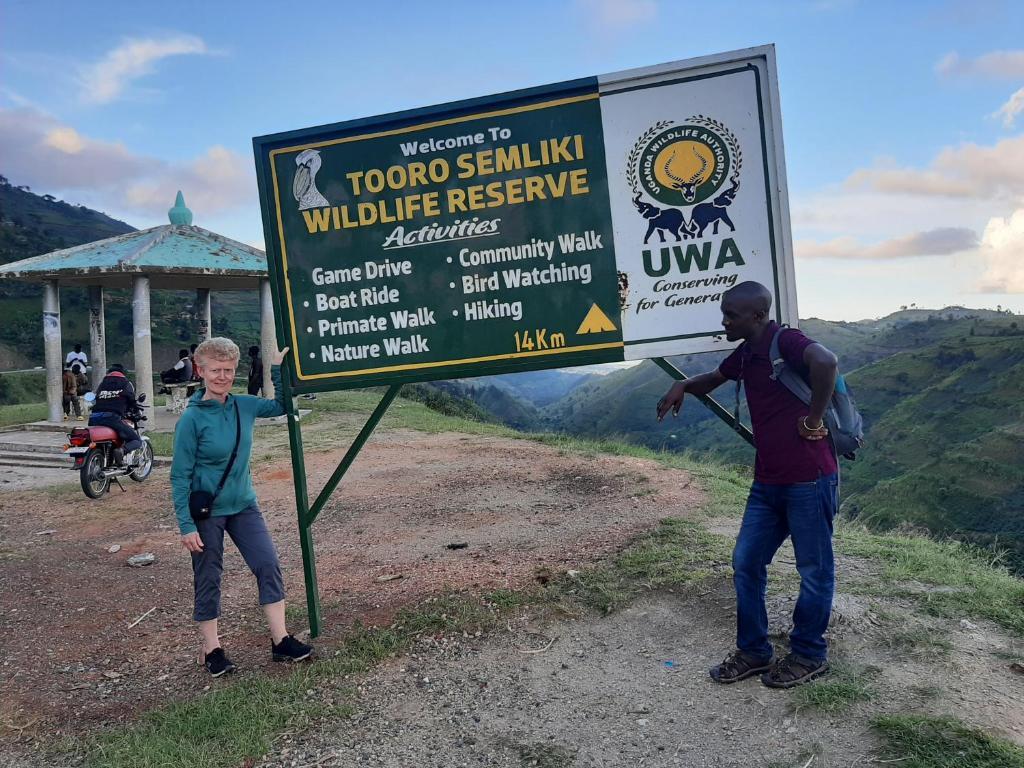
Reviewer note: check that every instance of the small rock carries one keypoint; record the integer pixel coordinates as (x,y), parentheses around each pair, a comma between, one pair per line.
(141,559)
(642,721)
(791,729)
(114,548)
(970,626)
(457,545)
(47,532)
(389,577)
(111,675)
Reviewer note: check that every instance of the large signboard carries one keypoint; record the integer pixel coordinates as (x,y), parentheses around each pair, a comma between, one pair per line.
(589,221)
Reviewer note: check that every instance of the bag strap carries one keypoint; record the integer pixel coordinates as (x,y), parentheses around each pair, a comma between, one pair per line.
(234,453)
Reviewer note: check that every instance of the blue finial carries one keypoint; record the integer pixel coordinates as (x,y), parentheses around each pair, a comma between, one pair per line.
(179,214)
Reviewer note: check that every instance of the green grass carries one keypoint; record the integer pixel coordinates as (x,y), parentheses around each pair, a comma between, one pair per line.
(918,741)
(845,685)
(676,553)
(22,413)
(981,588)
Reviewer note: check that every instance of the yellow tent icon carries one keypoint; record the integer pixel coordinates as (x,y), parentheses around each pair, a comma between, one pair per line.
(596,321)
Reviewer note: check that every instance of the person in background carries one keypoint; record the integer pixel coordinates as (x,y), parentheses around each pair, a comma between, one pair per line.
(78,356)
(181,371)
(81,380)
(114,397)
(69,394)
(204,441)
(255,371)
(192,359)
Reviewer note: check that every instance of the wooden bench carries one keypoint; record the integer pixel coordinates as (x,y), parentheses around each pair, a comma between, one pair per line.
(177,400)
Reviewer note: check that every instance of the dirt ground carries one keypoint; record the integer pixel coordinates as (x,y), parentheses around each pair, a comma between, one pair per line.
(71,661)
(632,689)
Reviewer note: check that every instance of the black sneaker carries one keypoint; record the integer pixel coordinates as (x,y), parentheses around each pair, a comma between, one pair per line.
(794,670)
(218,663)
(740,665)
(290,649)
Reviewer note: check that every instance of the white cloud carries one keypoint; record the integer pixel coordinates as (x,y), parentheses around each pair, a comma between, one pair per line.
(46,154)
(935,242)
(105,80)
(1013,107)
(615,14)
(1002,248)
(993,172)
(996,65)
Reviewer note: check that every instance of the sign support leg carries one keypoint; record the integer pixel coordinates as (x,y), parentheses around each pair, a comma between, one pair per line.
(302,510)
(307,514)
(715,407)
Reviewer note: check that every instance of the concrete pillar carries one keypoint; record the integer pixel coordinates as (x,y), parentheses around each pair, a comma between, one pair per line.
(143,342)
(52,351)
(204,321)
(268,335)
(97,335)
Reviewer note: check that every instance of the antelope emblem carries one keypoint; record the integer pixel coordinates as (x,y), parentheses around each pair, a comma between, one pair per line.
(687,187)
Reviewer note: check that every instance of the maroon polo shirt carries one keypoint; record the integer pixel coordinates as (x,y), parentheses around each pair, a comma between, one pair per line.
(783,456)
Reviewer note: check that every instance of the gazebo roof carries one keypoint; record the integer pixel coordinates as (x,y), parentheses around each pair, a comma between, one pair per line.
(177,256)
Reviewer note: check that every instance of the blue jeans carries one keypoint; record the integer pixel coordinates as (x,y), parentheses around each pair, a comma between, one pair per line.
(803,511)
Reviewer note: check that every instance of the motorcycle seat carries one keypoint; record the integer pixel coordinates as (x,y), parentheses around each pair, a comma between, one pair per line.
(103,433)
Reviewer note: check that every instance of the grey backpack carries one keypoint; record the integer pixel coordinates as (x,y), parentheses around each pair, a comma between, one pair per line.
(844,422)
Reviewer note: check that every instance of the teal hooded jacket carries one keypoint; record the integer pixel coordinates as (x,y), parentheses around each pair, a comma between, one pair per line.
(203,440)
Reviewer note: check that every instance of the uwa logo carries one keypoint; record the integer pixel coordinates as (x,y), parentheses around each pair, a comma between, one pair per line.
(683,165)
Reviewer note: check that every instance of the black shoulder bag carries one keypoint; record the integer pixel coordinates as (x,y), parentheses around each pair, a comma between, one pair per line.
(200,503)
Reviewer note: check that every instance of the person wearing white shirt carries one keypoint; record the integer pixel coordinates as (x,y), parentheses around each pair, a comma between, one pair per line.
(78,356)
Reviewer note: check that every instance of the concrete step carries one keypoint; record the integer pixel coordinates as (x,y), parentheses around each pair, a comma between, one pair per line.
(11,447)
(10,458)
(18,458)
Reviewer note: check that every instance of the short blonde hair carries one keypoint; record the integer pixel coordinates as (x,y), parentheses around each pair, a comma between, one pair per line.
(217,348)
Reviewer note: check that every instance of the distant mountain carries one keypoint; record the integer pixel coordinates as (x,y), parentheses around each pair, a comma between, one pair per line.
(32,224)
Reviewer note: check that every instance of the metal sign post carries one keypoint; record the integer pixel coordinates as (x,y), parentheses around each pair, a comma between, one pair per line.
(589,221)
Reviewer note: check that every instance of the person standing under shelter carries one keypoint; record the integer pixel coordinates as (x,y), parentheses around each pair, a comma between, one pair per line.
(794,493)
(77,356)
(69,396)
(255,371)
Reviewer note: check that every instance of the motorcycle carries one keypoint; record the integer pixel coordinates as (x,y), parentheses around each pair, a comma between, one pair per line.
(98,454)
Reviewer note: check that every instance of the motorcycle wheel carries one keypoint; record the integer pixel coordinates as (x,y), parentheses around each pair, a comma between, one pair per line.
(93,482)
(146,467)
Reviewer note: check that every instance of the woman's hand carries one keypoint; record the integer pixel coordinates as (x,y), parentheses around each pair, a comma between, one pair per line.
(192,542)
(278,356)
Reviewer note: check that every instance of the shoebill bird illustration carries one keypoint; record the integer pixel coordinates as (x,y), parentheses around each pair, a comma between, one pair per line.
(304,186)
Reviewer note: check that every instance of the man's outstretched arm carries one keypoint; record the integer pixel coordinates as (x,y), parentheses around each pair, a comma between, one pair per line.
(698,385)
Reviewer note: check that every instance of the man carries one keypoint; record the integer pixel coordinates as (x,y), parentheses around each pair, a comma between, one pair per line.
(114,396)
(69,397)
(78,356)
(795,489)
(255,380)
(180,372)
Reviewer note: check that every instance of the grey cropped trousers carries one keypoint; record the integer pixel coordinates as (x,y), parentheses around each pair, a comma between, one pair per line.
(248,530)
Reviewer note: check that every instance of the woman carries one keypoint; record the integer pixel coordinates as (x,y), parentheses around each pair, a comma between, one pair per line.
(204,441)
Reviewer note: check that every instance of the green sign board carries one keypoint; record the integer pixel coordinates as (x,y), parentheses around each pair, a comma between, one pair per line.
(507,233)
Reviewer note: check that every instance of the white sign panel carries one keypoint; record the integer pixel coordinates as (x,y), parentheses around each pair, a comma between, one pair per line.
(697,186)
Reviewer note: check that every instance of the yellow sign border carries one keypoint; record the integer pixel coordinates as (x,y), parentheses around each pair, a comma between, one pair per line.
(420,126)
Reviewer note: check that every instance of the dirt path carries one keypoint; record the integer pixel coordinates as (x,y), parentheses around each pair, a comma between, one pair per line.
(72,663)
(632,689)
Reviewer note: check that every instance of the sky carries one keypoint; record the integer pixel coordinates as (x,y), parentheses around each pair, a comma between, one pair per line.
(903,122)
